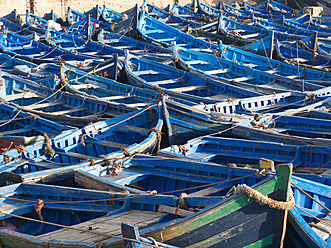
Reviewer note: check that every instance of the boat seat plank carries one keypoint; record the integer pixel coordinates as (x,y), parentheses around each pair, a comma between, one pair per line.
(247,36)
(47,165)
(78,155)
(189,88)
(106,225)
(138,105)
(194,62)
(154,31)
(218,71)
(83,86)
(241,79)
(43,105)
(167,81)
(18,96)
(110,98)
(62,112)
(26,90)
(146,72)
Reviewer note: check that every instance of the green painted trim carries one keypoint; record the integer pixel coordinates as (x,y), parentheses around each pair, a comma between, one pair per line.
(261,243)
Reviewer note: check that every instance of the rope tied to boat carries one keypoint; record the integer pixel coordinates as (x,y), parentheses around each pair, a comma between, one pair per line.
(126,151)
(116,167)
(6,159)
(38,207)
(158,136)
(48,149)
(252,193)
(264,173)
(183,150)
(20,148)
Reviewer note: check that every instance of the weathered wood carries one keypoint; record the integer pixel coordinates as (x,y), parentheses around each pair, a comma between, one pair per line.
(83,86)
(105,225)
(110,98)
(43,105)
(69,111)
(240,79)
(218,71)
(189,88)
(18,96)
(175,211)
(79,156)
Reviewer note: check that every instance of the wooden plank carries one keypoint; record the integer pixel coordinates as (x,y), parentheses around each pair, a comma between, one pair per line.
(105,225)
(110,98)
(83,86)
(138,104)
(175,211)
(68,111)
(78,155)
(194,62)
(43,105)
(218,71)
(189,88)
(146,72)
(167,81)
(18,96)
(240,79)
(247,36)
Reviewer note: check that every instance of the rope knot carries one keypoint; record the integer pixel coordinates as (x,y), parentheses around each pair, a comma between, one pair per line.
(6,159)
(20,148)
(49,149)
(38,207)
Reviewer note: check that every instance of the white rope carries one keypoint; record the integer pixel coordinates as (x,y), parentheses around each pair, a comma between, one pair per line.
(252,193)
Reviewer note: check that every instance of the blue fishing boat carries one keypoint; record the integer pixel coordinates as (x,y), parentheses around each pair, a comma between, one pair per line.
(111,44)
(305,22)
(159,33)
(109,15)
(281,68)
(308,220)
(62,107)
(17,28)
(74,16)
(37,52)
(288,130)
(21,128)
(297,56)
(276,6)
(247,76)
(166,17)
(161,210)
(178,83)
(184,12)
(275,26)
(242,153)
(97,143)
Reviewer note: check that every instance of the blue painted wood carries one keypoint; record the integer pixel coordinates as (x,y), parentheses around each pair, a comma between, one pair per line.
(159,33)
(177,83)
(60,106)
(288,130)
(251,77)
(263,63)
(113,140)
(172,19)
(247,152)
(21,128)
(38,52)
(299,232)
(295,55)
